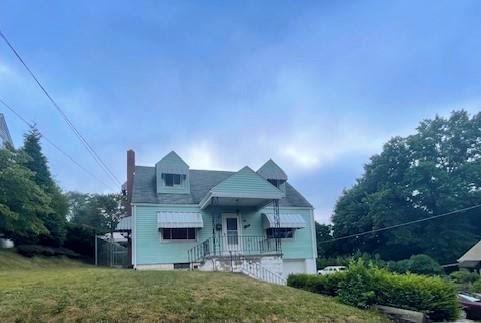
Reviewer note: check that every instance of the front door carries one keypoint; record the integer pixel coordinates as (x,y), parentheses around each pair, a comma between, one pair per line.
(230,232)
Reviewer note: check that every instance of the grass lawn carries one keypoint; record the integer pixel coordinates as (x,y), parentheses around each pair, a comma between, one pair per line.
(46,290)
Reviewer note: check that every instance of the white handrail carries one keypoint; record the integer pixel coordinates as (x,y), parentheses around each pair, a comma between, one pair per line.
(257,271)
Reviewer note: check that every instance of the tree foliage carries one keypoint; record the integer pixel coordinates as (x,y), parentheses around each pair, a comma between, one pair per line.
(55,220)
(90,215)
(324,234)
(434,171)
(32,206)
(98,211)
(23,204)
(418,264)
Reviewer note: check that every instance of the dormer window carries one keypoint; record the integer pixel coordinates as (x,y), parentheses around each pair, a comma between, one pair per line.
(276,182)
(172,175)
(274,175)
(172,180)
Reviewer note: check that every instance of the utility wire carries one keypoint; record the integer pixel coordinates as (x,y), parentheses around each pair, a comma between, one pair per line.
(400,224)
(52,143)
(82,139)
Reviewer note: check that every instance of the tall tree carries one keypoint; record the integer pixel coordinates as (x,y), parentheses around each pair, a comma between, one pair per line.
(54,221)
(323,234)
(99,211)
(37,162)
(22,202)
(434,171)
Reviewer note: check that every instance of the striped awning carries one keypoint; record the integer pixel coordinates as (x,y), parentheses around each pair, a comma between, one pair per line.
(286,221)
(179,220)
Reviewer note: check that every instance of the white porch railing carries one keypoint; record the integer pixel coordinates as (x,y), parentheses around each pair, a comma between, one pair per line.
(257,271)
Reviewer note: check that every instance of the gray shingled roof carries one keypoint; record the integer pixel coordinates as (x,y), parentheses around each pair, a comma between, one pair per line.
(201,181)
(270,170)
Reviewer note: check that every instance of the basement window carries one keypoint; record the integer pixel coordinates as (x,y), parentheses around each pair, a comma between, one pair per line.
(280,233)
(182,265)
(178,233)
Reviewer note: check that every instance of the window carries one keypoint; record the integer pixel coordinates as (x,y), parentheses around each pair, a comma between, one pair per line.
(172,179)
(182,265)
(280,232)
(178,233)
(276,182)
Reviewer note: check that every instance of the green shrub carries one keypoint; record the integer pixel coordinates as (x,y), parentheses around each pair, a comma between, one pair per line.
(476,286)
(418,264)
(81,239)
(423,264)
(300,281)
(431,295)
(464,277)
(326,285)
(362,285)
(359,285)
(37,250)
(401,266)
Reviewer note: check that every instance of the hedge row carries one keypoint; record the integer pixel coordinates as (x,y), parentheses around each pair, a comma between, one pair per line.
(36,250)
(362,286)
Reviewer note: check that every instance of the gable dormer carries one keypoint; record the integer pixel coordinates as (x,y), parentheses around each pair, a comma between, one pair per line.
(172,175)
(273,174)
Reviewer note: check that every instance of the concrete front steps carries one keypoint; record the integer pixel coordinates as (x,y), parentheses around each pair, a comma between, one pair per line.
(263,268)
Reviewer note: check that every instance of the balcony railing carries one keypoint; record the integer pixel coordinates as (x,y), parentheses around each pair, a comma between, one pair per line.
(225,245)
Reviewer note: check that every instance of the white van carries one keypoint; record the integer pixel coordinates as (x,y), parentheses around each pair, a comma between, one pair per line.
(331,270)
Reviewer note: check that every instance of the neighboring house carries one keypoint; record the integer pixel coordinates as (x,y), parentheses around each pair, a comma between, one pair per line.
(248,221)
(4,133)
(4,139)
(472,258)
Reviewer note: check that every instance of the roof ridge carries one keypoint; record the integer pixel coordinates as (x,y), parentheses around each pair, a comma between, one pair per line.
(213,170)
(201,181)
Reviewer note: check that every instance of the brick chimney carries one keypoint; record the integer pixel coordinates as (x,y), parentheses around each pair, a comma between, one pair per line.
(130,178)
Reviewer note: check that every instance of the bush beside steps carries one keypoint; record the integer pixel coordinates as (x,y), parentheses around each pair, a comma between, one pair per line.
(364,286)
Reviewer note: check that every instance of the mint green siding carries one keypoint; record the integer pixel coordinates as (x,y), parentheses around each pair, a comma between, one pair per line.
(300,246)
(247,183)
(149,249)
(172,164)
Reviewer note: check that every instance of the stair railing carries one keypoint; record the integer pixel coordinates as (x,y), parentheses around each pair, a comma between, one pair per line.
(256,270)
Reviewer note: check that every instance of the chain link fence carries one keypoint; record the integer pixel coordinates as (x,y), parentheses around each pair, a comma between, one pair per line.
(110,253)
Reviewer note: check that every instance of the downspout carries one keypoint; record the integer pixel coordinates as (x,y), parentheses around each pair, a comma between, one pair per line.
(313,232)
(134,236)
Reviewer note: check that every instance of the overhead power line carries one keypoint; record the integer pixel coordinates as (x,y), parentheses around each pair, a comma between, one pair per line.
(82,139)
(355,235)
(18,115)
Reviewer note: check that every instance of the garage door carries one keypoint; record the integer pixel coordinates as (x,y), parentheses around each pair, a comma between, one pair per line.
(293,266)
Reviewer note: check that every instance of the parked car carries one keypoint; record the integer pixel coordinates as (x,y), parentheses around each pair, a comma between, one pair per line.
(331,270)
(471,304)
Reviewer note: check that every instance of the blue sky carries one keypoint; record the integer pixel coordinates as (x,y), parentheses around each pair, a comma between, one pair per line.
(317,86)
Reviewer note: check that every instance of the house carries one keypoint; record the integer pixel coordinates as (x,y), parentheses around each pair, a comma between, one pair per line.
(4,133)
(4,140)
(472,258)
(250,221)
